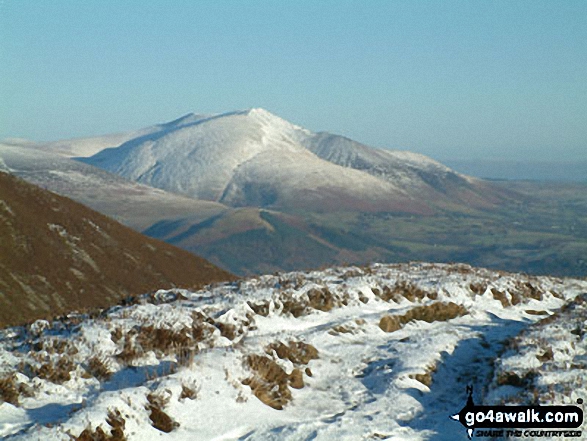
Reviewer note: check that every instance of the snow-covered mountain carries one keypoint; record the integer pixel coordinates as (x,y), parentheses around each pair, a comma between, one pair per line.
(254,158)
(378,352)
(135,205)
(219,233)
(89,146)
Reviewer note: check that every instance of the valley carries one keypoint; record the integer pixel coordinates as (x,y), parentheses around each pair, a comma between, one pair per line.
(329,333)
(254,193)
(293,221)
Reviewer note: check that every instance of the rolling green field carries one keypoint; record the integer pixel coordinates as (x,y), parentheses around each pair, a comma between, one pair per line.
(544,233)
(542,230)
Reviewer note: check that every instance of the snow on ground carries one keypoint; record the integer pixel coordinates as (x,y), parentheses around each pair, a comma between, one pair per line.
(548,361)
(282,357)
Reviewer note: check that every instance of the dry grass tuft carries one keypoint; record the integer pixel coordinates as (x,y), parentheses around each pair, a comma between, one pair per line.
(434,312)
(403,290)
(425,378)
(54,369)
(9,390)
(535,312)
(390,323)
(528,291)
(189,391)
(99,367)
(270,383)
(296,379)
(131,351)
(322,299)
(341,329)
(261,308)
(163,341)
(117,334)
(293,306)
(501,296)
(517,294)
(478,288)
(513,379)
(114,420)
(228,330)
(315,299)
(547,355)
(295,351)
(160,339)
(159,419)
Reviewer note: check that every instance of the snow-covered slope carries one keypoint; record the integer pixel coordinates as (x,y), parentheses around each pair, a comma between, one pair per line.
(136,205)
(547,362)
(254,158)
(381,352)
(393,165)
(91,145)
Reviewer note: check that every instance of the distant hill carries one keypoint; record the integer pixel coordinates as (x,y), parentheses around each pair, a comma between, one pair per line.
(58,256)
(135,205)
(91,145)
(256,159)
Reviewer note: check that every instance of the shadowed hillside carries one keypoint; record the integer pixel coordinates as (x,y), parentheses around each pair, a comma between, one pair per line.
(58,256)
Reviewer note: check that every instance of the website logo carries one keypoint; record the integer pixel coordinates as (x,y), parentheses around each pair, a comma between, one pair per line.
(512,420)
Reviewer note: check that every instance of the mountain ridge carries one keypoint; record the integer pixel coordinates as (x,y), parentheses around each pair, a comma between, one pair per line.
(254,158)
(59,256)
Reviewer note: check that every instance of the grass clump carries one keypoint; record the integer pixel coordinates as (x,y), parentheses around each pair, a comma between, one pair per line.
(434,312)
(270,383)
(295,351)
(115,420)
(54,369)
(403,290)
(99,367)
(159,419)
(9,390)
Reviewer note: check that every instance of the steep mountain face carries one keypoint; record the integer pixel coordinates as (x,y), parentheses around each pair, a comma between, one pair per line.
(351,353)
(254,158)
(58,256)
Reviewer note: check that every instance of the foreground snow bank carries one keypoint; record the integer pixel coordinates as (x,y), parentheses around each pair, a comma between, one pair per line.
(379,352)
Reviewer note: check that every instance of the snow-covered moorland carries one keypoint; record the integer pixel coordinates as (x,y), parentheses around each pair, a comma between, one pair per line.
(381,352)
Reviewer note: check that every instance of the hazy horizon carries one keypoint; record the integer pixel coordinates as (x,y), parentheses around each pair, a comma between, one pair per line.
(456,79)
(553,171)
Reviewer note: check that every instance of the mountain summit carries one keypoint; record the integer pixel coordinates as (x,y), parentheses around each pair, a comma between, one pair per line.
(254,158)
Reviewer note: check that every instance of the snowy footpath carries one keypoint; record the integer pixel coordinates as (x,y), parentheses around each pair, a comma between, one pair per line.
(379,352)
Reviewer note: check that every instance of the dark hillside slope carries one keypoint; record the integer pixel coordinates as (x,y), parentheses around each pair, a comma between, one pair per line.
(57,256)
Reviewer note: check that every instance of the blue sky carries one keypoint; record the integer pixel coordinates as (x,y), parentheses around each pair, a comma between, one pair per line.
(450,79)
